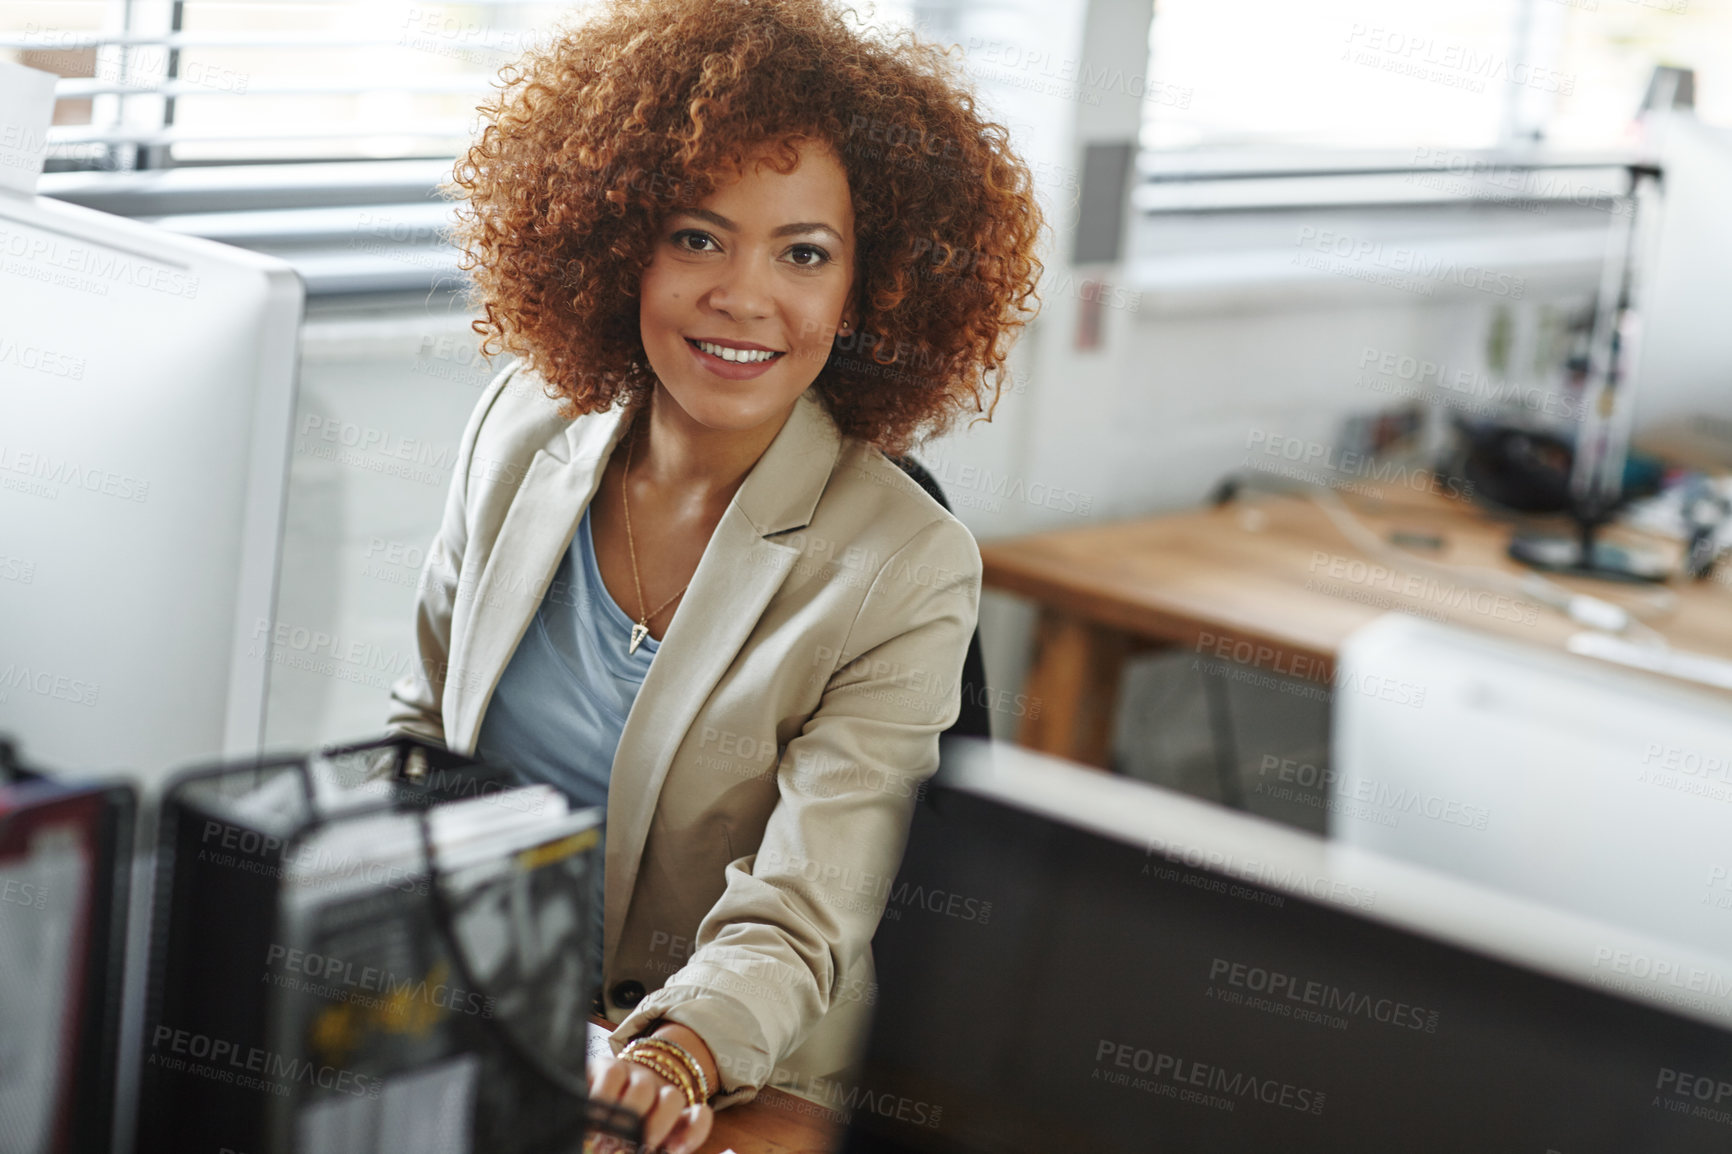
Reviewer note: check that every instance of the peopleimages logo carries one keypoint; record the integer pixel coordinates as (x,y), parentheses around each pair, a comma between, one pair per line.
(967,478)
(45,683)
(1409,586)
(1691,762)
(1702,1087)
(1303,992)
(1260,873)
(41,360)
(1471,390)
(1702,1096)
(252,1067)
(252,851)
(1455,65)
(21,893)
(1410,268)
(1119,1063)
(92,265)
(340,980)
(829,1097)
(874,888)
(1378,800)
(1349,463)
(1667,978)
(54,471)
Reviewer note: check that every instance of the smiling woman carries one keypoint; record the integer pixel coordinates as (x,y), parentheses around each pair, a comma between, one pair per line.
(748,286)
(752,250)
(651,104)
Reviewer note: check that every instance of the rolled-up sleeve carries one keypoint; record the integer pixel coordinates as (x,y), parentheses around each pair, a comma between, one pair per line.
(772,955)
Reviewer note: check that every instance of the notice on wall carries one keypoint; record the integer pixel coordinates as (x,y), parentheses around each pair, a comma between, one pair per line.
(26,108)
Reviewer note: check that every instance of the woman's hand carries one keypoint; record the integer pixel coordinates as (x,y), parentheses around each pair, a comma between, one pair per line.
(668,1122)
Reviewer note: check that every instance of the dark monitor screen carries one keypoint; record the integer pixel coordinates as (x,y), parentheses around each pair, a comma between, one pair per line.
(1045,987)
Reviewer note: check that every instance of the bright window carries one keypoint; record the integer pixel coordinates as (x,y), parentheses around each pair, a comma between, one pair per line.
(156,83)
(1396,74)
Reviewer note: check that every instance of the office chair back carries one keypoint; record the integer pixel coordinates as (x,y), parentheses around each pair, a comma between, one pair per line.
(974,718)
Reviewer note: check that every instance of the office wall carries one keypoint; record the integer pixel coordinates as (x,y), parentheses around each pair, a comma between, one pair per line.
(385,389)
(1221,345)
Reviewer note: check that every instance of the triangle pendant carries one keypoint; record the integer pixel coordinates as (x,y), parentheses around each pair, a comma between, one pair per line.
(638,632)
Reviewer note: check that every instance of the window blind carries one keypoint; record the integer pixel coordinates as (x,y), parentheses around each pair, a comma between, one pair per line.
(150,84)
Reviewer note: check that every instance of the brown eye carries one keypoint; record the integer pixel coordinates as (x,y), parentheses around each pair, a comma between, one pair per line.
(683,235)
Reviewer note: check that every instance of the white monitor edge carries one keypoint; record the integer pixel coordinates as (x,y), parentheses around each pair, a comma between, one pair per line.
(271,434)
(266,506)
(1172,826)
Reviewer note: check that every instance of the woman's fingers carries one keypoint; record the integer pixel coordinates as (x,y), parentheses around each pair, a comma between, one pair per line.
(668,1122)
(659,1122)
(629,1084)
(607,1078)
(690,1131)
(640,1093)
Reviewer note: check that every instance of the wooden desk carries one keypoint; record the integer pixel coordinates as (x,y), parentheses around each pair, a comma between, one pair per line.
(1269,581)
(774,1122)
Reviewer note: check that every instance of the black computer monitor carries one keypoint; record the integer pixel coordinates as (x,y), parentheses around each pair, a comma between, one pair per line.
(1074,962)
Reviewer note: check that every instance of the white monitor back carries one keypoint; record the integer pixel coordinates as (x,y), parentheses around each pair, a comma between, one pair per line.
(146,404)
(1685,347)
(1545,775)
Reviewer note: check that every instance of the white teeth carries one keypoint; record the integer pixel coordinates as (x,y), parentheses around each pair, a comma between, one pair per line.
(742,356)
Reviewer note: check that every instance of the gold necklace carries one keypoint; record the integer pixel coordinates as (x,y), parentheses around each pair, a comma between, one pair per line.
(640,629)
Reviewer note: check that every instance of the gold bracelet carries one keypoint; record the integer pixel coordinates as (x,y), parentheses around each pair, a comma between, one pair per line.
(683,1056)
(666,1069)
(668,1072)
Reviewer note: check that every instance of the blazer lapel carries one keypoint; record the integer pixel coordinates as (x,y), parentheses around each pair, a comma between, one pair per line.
(537,530)
(740,572)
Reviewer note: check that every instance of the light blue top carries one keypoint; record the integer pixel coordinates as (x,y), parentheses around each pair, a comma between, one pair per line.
(562,701)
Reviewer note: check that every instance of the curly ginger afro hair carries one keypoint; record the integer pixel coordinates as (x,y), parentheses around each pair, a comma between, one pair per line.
(646,105)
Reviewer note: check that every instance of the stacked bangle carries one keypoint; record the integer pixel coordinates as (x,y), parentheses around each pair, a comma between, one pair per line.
(684,1057)
(668,1071)
(671,1061)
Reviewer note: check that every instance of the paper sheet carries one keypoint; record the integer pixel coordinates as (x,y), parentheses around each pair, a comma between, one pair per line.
(26,109)
(598,1047)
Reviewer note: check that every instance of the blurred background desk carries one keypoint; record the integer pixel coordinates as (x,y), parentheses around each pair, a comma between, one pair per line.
(1267,581)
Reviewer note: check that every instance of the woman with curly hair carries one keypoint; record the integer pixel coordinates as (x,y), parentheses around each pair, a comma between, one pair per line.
(741,252)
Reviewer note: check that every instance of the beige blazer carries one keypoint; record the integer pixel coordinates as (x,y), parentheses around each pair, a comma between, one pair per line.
(767,773)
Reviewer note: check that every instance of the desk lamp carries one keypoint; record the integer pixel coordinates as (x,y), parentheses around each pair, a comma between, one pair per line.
(1608,396)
